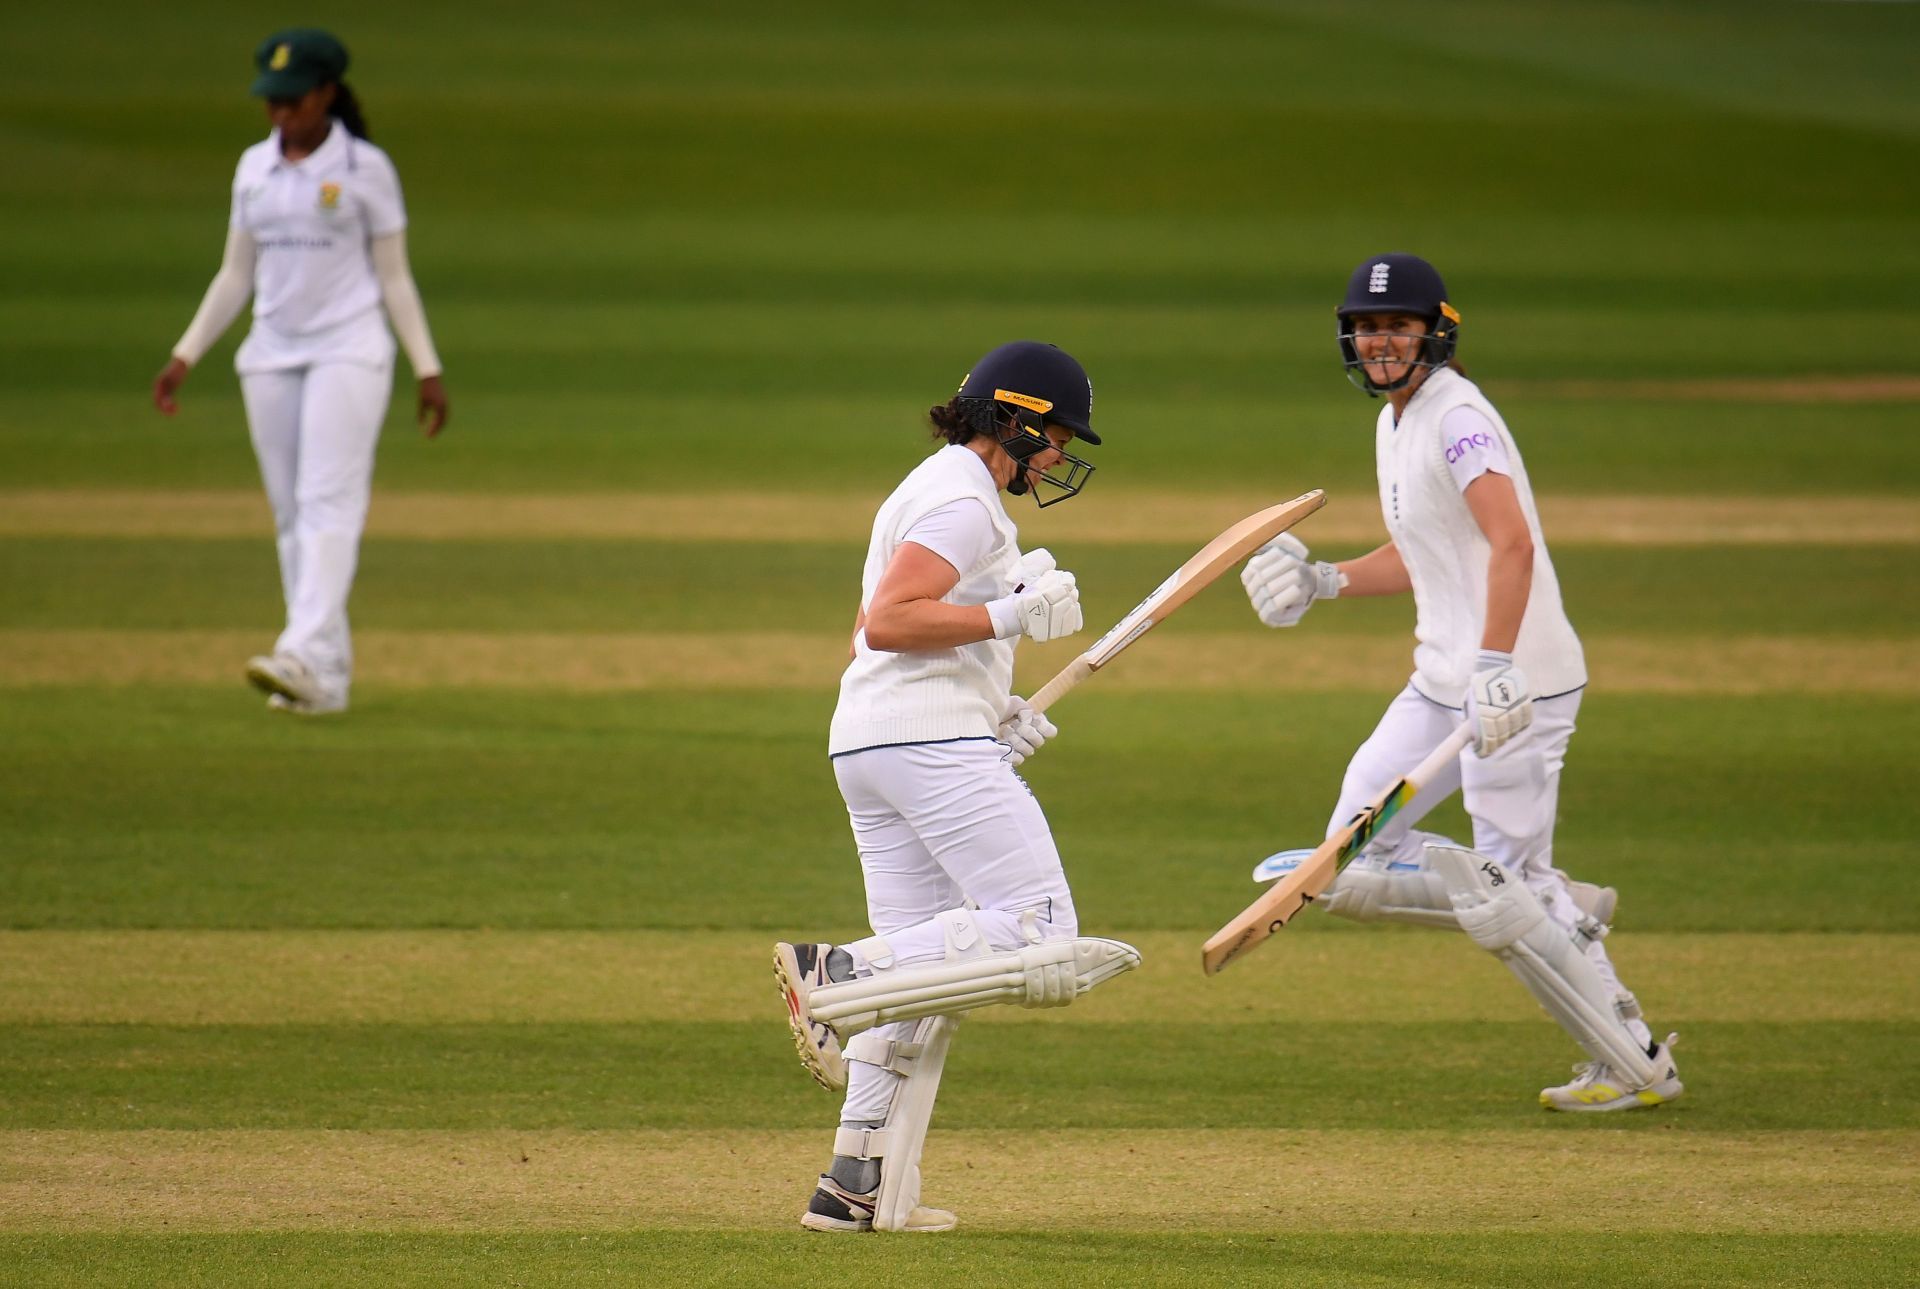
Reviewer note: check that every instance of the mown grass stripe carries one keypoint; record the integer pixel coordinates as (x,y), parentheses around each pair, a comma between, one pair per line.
(1115,515)
(1144,1181)
(1195,1258)
(1021,1070)
(1167,661)
(182,977)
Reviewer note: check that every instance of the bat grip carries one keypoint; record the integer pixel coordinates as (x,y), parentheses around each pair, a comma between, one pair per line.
(1072,674)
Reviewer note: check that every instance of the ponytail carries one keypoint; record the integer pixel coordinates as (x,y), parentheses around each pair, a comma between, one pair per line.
(347,108)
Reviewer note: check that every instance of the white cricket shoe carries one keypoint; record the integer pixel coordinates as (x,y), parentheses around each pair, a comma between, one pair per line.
(326,705)
(801,969)
(285,675)
(835,1208)
(1596,1088)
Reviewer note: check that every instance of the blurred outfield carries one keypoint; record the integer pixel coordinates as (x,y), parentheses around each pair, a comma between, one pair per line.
(469,987)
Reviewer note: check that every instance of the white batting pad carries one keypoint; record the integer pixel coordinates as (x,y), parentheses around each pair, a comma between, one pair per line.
(1391,892)
(1505,919)
(1049,974)
(897,1145)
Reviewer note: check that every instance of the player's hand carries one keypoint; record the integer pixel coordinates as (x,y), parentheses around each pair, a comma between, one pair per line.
(167,384)
(1029,568)
(1499,705)
(433,406)
(1023,730)
(1048,609)
(1283,585)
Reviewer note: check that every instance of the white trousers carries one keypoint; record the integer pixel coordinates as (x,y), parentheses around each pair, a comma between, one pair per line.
(937,825)
(1512,797)
(314,431)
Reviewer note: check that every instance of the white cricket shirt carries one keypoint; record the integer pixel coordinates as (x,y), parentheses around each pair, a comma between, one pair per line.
(928,696)
(315,295)
(1424,470)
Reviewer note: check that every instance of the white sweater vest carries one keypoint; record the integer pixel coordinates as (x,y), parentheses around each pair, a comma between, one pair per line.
(1446,553)
(930,695)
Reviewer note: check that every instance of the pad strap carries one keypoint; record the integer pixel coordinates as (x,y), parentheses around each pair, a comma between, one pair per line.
(895,1055)
(860,1143)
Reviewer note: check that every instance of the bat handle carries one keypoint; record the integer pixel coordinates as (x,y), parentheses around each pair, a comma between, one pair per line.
(1070,675)
(1450,747)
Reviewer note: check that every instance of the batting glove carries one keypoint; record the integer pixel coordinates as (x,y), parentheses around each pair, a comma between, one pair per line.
(1029,569)
(1498,704)
(1047,609)
(1023,730)
(1282,583)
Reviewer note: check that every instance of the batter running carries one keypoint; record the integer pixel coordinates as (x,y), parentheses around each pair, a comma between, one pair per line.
(1494,647)
(965,892)
(317,236)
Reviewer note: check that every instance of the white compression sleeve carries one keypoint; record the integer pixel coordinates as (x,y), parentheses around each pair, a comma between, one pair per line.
(226,296)
(402,299)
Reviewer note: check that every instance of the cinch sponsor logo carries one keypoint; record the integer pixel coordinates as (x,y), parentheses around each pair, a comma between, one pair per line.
(295,243)
(1460,447)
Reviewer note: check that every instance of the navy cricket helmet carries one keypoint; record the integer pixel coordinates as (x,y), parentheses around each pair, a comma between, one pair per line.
(1398,283)
(1014,392)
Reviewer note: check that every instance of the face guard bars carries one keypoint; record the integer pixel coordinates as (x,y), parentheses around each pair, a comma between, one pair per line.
(1017,424)
(1435,349)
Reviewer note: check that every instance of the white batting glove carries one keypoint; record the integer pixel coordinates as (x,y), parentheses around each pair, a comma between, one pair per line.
(1498,703)
(1047,609)
(1282,583)
(1029,568)
(1023,730)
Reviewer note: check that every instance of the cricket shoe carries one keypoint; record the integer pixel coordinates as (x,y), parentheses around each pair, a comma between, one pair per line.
(801,969)
(285,675)
(1596,1088)
(325,705)
(835,1208)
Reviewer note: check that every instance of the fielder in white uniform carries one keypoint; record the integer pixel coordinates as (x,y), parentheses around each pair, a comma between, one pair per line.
(965,893)
(1494,647)
(317,237)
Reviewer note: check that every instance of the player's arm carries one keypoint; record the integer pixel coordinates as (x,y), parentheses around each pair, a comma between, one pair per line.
(401,299)
(1499,702)
(908,610)
(226,295)
(1380,571)
(1283,583)
(1496,508)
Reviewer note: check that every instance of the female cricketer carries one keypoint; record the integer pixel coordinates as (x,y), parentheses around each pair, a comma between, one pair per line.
(1493,647)
(317,237)
(965,893)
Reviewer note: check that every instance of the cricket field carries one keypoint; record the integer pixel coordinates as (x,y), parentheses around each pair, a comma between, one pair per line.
(470,986)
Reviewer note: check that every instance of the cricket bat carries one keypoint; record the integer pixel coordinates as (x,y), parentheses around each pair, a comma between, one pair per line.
(1213,559)
(1286,897)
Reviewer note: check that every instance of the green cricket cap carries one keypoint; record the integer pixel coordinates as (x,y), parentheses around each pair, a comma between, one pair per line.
(292,62)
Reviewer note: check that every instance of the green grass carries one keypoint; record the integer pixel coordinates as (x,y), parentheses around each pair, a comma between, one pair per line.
(463,808)
(563,586)
(1285,1257)
(1137,1072)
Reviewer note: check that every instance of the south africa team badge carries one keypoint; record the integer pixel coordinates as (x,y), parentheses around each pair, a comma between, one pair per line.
(329,196)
